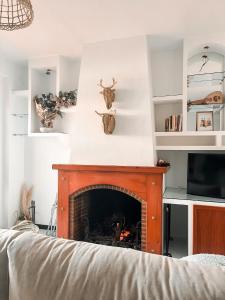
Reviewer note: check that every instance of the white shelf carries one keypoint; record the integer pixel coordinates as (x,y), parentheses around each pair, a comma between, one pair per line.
(190,140)
(179,196)
(191,148)
(190,133)
(167,99)
(43,134)
(205,107)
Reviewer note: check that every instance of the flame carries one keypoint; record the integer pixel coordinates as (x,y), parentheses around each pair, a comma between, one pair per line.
(124,234)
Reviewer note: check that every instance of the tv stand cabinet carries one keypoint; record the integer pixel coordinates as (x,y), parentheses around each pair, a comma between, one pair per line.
(206,220)
(208,229)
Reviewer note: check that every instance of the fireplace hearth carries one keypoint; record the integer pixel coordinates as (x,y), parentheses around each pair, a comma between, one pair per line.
(111,205)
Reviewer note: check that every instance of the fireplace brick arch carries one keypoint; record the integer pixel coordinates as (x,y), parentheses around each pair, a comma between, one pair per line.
(75,204)
(143,183)
(107,186)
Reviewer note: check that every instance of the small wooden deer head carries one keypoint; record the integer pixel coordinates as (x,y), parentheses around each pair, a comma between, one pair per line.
(108,93)
(109,121)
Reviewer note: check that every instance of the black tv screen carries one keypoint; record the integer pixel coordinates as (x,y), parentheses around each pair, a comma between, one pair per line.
(206,175)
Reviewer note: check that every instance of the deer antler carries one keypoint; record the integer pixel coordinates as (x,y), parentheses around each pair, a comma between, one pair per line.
(108,87)
(100,84)
(114,83)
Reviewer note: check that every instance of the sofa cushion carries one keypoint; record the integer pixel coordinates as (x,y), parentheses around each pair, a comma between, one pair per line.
(206,259)
(45,268)
(6,236)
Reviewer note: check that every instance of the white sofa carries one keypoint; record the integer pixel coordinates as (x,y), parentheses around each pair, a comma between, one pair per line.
(44,268)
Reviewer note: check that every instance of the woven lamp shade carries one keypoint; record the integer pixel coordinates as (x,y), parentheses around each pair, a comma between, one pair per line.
(15,14)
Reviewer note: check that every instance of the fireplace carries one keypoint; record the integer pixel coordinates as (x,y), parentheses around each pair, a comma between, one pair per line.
(104,214)
(118,206)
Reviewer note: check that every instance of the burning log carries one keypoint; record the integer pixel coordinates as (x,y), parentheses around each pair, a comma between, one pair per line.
(117,232)
(124,234)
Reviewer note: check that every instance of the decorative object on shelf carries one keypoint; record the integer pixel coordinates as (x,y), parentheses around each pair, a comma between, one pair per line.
(162,163)
(205,58)
(15,14)
(109,121)
(204,121)
(67,99)
(108,93)
(47,109)
(216,97)
(173,123)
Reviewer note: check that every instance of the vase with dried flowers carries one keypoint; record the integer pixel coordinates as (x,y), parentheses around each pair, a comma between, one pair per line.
(47,108)
(24,219)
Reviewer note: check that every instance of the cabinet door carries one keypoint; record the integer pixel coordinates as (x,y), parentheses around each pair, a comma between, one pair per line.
(209,229)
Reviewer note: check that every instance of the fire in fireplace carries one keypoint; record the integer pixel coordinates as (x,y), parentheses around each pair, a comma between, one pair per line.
(106,216)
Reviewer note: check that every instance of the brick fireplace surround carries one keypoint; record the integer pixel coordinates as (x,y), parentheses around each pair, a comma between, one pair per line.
(142,183)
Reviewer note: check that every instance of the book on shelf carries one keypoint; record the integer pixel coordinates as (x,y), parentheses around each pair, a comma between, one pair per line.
(173,123)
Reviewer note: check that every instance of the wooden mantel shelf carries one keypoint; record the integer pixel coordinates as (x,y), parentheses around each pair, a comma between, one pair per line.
(129,169)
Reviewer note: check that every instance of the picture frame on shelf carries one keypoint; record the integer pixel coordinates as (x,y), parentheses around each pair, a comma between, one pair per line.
(204,121)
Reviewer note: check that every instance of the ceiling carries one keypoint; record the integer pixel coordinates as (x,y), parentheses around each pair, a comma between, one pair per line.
(63,26)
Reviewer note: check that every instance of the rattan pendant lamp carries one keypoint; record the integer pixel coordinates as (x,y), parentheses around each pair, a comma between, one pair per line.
(15,14)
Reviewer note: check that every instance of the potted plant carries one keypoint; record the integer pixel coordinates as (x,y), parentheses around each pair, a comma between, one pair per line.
(67,99)
(48,109)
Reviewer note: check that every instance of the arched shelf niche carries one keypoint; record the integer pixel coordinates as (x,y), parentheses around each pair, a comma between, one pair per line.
(205,75)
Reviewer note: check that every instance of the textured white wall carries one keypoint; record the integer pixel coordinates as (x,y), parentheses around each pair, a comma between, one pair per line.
(131,143)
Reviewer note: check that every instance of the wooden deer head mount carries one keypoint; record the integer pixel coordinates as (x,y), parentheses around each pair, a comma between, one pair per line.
(109,121)
(108,93)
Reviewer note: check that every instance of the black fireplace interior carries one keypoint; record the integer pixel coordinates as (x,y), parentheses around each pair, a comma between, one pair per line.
(113,218)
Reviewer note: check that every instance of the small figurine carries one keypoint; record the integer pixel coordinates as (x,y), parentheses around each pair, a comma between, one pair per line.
(162,163)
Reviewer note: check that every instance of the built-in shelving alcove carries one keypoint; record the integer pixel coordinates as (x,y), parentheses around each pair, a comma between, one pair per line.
(50,75)
(196,81)
(201,71)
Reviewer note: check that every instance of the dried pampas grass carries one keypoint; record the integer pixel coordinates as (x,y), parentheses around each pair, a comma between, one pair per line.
(25,203)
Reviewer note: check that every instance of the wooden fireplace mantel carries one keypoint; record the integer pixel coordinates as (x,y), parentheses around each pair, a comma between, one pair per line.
(145,183)
(156,170)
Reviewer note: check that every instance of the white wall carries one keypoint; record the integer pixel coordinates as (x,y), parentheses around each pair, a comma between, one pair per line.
(3,204)
(41,152)
(167,65)
(12,76)
(131,143)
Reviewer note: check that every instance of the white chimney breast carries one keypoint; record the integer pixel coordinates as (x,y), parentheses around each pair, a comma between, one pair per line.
(131,143)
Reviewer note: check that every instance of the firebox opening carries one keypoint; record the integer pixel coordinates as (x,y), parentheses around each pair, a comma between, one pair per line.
(108,217)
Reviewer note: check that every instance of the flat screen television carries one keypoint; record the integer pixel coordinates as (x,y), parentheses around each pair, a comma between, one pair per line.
(206,175)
